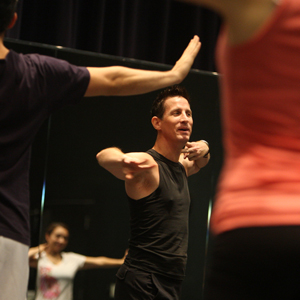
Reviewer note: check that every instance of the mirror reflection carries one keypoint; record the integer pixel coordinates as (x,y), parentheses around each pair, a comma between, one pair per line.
(56,268)
(76,191)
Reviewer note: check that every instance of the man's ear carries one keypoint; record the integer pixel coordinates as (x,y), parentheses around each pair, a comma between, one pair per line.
(13,21)
(156,122)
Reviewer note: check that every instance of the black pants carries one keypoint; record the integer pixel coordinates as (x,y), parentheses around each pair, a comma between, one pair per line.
(134,284)
(260,263)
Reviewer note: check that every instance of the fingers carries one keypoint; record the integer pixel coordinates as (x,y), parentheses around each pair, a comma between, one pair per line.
(42,247)
(133,166)
(189,148)
(195,44)
(185,62)
(134,161)
(193,151)
(193,47)
(131,162)
(193,155)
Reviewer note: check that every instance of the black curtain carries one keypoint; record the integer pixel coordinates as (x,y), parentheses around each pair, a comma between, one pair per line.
(150,30)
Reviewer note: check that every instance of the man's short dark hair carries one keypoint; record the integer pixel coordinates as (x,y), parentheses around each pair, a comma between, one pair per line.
(7,10)
(158,107)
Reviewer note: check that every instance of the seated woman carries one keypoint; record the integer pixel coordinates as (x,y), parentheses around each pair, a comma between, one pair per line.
(56,269)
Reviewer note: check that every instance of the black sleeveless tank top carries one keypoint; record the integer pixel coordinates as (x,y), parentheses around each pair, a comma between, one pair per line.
(159,223)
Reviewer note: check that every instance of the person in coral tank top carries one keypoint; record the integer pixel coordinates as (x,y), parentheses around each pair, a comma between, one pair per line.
(255,221)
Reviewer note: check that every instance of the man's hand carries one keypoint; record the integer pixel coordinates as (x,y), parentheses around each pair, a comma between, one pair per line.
(195,156)
(123,81)
(185,62)
(133,166)
(195,150)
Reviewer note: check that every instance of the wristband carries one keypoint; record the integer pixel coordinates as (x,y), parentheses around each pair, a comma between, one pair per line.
(206,154)
(204,141)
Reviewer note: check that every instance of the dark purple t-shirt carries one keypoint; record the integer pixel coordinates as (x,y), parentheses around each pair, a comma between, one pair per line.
(32,86)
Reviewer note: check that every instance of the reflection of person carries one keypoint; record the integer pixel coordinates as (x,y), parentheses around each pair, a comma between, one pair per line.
(57,269)
(256,217)
(158,195)
(32,87)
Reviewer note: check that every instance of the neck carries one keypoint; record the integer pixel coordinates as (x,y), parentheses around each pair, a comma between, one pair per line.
(52,253)
(3,49)
(169,150)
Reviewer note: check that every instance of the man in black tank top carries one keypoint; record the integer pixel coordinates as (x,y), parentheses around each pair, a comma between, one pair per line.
(158,195)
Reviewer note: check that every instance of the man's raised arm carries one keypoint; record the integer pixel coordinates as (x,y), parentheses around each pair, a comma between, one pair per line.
(123,81)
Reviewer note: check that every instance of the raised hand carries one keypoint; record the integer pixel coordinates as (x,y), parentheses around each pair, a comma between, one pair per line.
(185,62)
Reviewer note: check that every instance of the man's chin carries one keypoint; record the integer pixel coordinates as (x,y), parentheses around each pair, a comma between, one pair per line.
(184,140)
(185,137)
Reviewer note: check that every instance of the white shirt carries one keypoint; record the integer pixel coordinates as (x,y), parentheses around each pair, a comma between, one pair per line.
(55,281)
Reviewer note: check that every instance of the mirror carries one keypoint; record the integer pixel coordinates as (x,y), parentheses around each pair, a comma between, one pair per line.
(66,178)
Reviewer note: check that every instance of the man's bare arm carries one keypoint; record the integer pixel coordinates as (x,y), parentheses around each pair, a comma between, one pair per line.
(122,81)
(138,169)
(124,166)
(195,156)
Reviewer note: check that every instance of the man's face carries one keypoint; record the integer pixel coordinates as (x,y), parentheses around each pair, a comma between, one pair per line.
(177,121)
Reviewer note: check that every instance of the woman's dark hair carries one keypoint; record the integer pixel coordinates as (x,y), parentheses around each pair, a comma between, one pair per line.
(54,225)
(7,10)
(158,107)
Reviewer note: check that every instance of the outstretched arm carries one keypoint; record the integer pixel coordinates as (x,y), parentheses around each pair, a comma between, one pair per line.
(138,169)
(103,262)
(124,166)
(195,156)
(122,81)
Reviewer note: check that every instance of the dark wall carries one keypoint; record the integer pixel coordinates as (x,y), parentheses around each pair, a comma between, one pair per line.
(152,30)
(92,201)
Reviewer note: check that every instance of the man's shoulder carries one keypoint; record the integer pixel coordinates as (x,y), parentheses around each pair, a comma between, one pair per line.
(29,60)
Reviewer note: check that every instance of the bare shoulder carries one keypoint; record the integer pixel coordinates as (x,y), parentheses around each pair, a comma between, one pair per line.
(245,18)
(146,181)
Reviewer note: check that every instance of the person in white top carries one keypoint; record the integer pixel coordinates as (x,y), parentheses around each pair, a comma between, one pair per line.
(56,269)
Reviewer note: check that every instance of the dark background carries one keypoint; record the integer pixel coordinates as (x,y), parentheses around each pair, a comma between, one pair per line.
(151,30)
(64,172)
